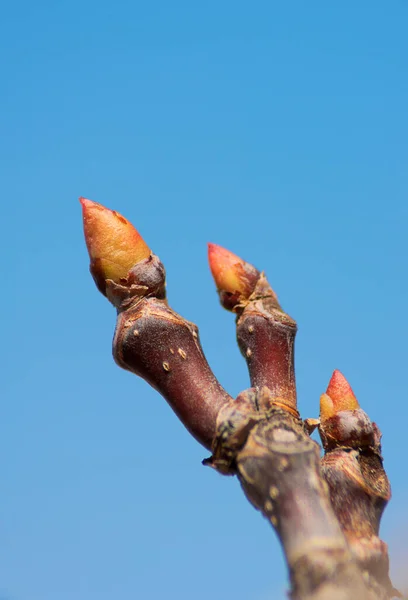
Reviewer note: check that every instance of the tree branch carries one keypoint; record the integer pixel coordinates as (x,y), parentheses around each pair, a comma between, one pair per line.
(156,343)
(278,466)
(326,517)
(358,485)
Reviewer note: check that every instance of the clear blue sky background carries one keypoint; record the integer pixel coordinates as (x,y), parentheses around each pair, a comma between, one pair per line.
(277,129)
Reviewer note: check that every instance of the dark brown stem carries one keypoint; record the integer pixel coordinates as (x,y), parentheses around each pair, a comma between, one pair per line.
(156,343)
(359,489)
(278,466)
(326,515)
(266,337)
(279,470)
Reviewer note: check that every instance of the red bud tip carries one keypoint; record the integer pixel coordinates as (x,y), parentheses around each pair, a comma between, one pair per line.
(231,274)
(114,245)
(339,396)
(339,388)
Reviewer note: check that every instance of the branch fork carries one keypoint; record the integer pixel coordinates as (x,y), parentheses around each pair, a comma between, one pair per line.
(326,512)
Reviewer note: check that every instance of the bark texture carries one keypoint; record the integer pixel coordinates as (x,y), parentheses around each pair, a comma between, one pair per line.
(154,342)
(326,512)
(278,466)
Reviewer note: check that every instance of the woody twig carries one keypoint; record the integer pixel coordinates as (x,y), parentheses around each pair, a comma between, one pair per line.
(151,339)
(259,436)
(359,488)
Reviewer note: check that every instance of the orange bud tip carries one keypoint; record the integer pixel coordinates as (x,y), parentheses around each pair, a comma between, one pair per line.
(326,407)
(339,396)
(114,245)
(231,274)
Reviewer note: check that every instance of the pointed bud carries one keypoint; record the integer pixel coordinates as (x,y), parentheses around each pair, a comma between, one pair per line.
(114,245)
(235,279)
(326,407)
(338,397)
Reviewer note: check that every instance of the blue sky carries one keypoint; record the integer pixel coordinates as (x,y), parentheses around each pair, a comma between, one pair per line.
(278,130)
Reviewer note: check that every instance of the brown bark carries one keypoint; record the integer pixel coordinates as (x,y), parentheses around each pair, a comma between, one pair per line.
(278,466)
(326,512)
(154,342)
(359,489)
(259,436)
(266,338)
(331,551)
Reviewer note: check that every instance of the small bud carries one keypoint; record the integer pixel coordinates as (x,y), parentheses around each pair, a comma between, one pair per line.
(235,279)
(338,397)
(326,407)
(114,245)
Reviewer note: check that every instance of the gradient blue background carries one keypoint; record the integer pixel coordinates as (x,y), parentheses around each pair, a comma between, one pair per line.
(277,129)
